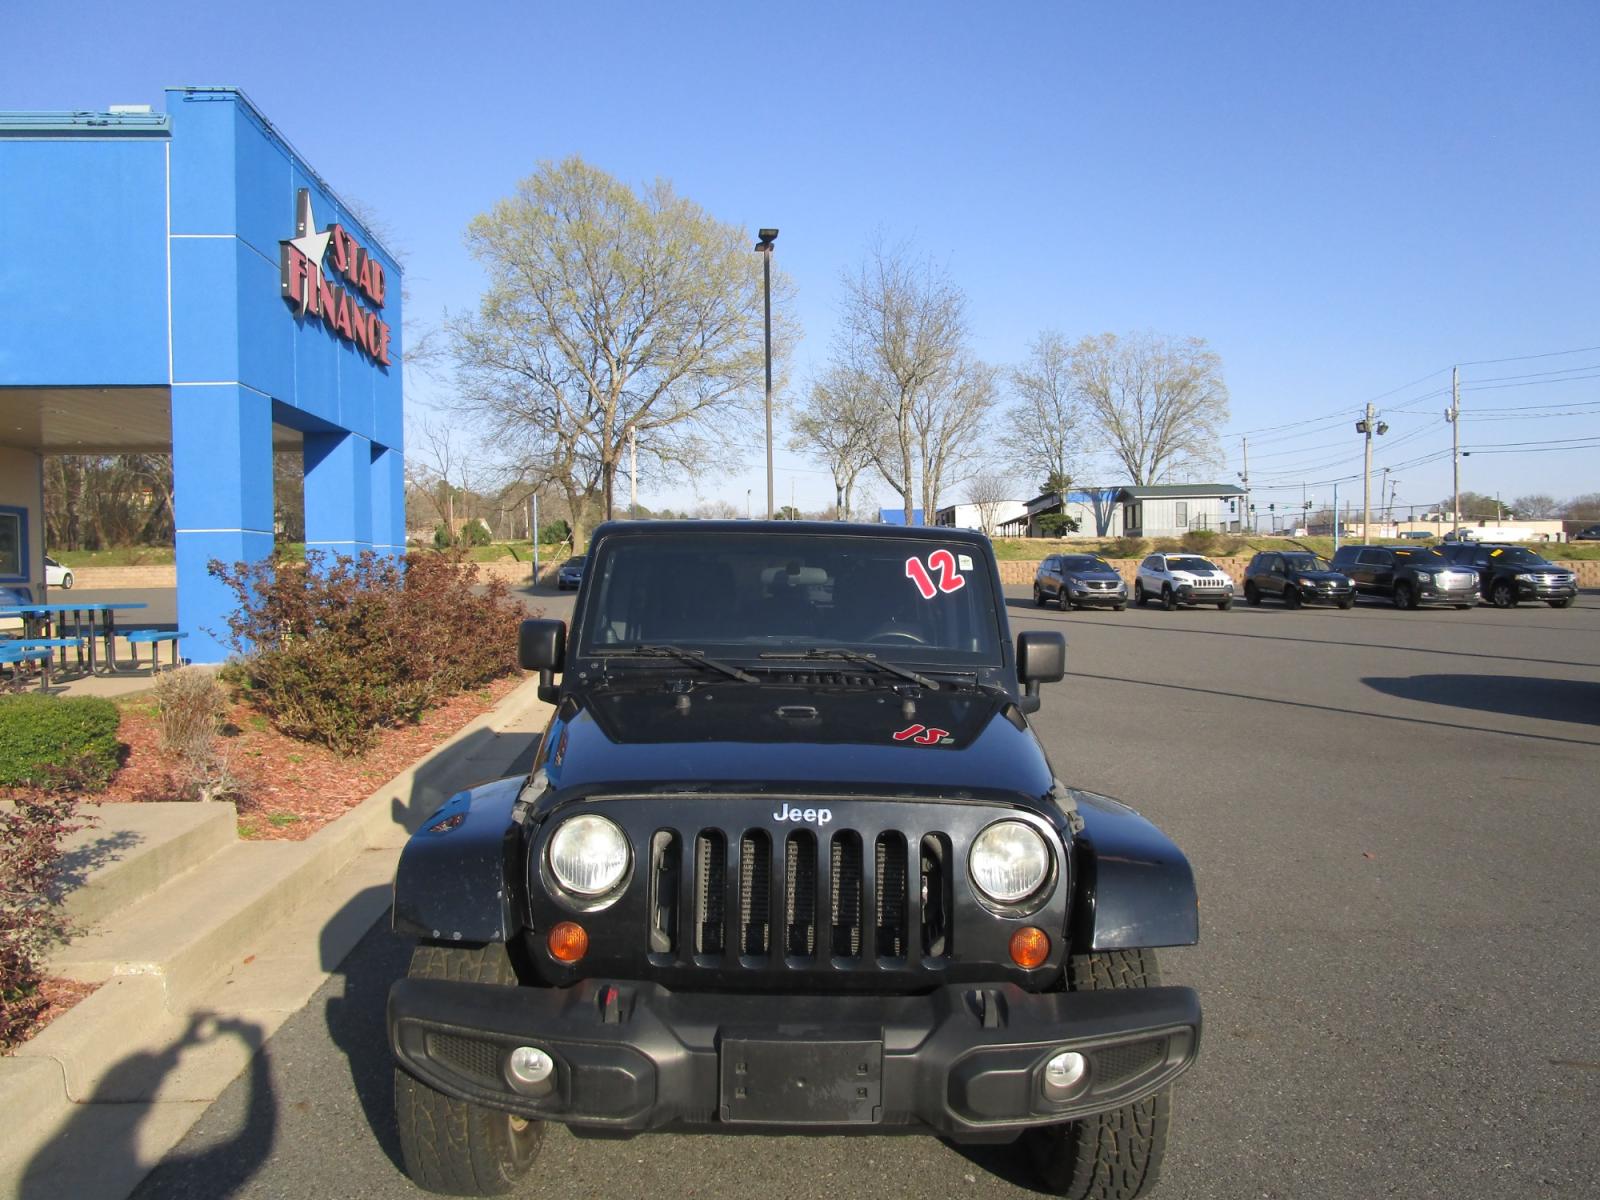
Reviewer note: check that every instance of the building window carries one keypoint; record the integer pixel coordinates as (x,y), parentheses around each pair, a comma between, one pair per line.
(14,544)
(1182,508)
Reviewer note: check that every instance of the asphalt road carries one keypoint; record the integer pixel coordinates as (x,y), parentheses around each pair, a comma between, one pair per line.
(1393,818)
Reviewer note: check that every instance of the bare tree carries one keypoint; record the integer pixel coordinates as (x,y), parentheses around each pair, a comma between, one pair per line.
(987,491)
(904,324)
(838,424)
(947,417)
(716,510)
(611,312)
(1159,402)
(1582,508)
(1536,507)
(1046,425)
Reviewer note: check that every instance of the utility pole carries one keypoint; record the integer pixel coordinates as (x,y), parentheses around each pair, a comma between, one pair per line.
(633,472)
(533,536)
(1367,427)
(1244,478)
(1336,522)
(764,248)
(1455,443)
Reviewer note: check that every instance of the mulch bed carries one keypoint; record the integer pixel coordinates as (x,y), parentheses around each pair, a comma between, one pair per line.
(290,789)
(59,996)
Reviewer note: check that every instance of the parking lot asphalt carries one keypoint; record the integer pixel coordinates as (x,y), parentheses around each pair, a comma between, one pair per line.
(1393,818)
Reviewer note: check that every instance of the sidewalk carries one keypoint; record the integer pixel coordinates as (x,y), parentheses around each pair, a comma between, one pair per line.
(202,966)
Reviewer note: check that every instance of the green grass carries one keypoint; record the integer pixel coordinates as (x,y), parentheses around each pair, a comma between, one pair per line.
(280,819)
(122,556)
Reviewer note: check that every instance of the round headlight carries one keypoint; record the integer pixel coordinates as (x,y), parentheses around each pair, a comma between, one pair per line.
(588,855)
(1009,861)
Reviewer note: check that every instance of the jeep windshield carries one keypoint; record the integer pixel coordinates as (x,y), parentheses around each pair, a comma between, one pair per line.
(1190,564)
(744,597)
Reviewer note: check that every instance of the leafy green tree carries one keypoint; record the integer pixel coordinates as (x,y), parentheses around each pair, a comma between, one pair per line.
(1056,525)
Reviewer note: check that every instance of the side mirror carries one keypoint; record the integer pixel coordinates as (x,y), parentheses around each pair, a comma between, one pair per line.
(542,647)
(1041,658)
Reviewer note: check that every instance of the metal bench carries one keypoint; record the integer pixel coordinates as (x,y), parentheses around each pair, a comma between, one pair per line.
(152,638)
(14,656)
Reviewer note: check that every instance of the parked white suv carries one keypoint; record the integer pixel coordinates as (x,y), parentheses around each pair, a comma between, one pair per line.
(1176,579)
(56,575)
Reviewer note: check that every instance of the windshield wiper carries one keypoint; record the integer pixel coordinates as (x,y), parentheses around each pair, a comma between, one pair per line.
(678,652)
(839,654)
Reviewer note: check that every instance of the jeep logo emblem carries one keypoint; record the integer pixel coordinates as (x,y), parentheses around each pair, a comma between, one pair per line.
(813,816)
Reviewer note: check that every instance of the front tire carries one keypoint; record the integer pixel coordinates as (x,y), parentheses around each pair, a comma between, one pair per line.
(1562,602)
(448,1145)
(1405,596)
(1138,593)
(1115,1155)
(1291,597)
(1225,605)
(1503,595)
(1252,594)
(66,581)
(1169,599)
(1038,597)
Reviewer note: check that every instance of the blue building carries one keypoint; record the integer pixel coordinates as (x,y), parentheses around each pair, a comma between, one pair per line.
(186,282)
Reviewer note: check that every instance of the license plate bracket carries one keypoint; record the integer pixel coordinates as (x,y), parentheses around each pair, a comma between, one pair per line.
(776,1080)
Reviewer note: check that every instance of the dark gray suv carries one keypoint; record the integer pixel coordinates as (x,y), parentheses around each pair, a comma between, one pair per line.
(1507,574)
(1296,577)
(1410,576)
(1079,581)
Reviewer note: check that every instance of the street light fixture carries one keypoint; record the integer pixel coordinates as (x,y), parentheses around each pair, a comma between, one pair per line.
(764,248)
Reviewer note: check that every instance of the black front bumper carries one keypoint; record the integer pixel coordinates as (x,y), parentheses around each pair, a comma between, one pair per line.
(1100,599)
(962,1061)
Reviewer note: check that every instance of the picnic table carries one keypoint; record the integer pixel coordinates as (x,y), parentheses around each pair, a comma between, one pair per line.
(47,619)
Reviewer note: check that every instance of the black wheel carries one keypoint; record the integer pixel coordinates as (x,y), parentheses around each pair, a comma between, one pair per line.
(1348,602)
(1116,1155)
(66,581)
(1563,602)
(1118,607)
(1169,599)
(1503,595)
(1062,602)
(1252,594)
(1463,607)
(1225,605)
(1038,597)
(1291,596)
(1138,593)
(448,1145)
(1405,595)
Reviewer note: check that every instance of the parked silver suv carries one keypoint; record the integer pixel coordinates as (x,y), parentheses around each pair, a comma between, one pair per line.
(1177,579)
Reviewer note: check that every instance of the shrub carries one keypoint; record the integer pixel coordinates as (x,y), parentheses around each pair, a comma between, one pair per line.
(1200,541)
(1127,547)
(1166,545)
(441,538)
(191,704)
(333,653)
(475,533)
(554,533)
(51,742)
(1055,525)
(31,830)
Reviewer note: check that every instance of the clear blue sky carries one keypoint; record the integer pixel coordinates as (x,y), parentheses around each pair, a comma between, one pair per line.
(1341,198)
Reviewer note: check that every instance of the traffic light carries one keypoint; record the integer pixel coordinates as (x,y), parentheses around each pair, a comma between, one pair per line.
(1273,507)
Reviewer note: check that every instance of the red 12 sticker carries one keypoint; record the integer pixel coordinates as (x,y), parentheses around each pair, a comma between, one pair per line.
(921,735)
(942,561)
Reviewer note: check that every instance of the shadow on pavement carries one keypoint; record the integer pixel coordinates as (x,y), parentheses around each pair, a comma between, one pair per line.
(106,1129)
(1573,700)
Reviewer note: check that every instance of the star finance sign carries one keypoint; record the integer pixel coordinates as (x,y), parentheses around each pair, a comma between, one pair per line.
(307,286)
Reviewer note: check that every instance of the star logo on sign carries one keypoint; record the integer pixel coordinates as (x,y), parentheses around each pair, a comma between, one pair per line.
(307,240)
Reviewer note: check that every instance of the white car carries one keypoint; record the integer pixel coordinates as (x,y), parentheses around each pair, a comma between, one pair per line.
(1176,579)
(55,575)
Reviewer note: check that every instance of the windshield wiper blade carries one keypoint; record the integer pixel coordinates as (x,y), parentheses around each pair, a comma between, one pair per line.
(683,655)
(839,653)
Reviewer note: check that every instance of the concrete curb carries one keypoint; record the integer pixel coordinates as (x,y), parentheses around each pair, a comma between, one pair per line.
(132,1046)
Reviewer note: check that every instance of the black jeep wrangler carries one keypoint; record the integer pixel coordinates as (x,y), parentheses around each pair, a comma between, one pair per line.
(790,859)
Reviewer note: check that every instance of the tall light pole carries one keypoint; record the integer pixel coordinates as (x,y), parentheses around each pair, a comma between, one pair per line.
(1367,427)
(764,248)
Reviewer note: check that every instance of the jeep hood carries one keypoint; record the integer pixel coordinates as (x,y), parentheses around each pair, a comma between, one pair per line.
(785,739)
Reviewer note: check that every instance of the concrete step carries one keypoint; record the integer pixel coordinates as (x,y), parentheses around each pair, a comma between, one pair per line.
(129,851)
(188,932)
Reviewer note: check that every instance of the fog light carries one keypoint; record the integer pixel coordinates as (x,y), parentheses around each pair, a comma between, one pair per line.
(1065,1075)
(1029,947)
(568,942)
(531,1071)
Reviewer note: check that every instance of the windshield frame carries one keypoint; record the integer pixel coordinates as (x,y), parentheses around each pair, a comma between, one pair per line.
(989,627)
(1176,562)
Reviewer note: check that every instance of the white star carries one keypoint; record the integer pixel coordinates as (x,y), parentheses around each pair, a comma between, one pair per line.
(309,242)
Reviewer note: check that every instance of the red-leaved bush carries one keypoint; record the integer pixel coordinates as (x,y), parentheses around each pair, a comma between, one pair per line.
(31,828)
(333,651)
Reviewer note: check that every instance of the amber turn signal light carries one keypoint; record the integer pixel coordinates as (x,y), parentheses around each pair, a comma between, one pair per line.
(1029,947)
(569,942)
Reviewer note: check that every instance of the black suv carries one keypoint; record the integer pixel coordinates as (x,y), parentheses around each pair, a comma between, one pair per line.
(1507,574)
(1079,581)
(790,859)
(1296,577)
(1411,576)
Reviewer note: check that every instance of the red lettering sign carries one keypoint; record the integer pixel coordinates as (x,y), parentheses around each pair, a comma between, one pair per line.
(305,284)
